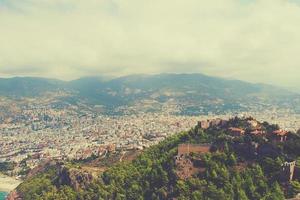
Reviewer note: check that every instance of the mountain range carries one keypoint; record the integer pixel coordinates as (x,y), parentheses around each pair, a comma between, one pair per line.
(188,91)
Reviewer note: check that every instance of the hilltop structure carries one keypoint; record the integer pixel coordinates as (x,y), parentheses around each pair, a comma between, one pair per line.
(236,131)
(184,164)
(280,135)
(205,124)
(186,149)
(288,170)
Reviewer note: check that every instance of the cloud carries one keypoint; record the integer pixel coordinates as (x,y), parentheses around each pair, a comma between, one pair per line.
(254,40)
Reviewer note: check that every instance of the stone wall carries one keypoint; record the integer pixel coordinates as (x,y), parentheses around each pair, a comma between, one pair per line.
(184,149)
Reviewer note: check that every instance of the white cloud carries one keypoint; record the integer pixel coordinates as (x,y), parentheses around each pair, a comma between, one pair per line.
(252,40)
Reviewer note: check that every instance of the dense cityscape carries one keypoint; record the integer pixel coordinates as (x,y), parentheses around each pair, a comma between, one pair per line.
(41,133)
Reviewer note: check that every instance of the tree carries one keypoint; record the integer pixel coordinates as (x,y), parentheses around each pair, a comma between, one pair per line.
(276,193)
(182,188)
(250,187)
(197,195)
(231,160)
(135,192)
(295,188)
(215,193)
(241,195)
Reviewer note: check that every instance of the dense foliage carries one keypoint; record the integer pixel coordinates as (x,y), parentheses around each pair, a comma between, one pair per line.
(6,166)
(229,174)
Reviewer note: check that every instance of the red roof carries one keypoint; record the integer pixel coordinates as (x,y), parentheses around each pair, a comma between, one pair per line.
(257,132)
(236,129)
(280,132)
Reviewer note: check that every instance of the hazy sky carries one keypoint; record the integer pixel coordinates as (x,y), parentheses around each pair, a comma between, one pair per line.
(254,40)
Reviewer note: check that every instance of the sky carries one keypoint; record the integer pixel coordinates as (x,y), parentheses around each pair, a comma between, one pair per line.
(252,40)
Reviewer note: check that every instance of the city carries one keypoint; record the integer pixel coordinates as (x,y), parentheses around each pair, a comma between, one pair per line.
(38,134)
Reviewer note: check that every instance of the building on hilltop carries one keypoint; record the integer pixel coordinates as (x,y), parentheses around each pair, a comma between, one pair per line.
(186,149)
(236,131)
(279,135)
(257,132)
(253,123)
(205,124)
(288,170)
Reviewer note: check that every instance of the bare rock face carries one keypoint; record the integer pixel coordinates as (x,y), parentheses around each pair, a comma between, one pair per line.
(75,178)
(13,195)
(41,168)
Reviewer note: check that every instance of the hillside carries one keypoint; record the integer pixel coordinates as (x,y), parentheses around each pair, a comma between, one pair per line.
(28,86)
(191,93)
(237,159)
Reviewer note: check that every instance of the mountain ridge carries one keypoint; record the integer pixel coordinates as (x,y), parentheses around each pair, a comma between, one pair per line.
(189,90)
(138,76)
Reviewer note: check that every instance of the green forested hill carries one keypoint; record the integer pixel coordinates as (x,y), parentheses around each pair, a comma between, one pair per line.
(227,172)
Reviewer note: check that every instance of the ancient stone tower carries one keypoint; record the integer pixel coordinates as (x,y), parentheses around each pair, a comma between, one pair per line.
(288,169)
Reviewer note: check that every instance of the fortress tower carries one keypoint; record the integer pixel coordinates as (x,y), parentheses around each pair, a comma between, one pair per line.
(288,169)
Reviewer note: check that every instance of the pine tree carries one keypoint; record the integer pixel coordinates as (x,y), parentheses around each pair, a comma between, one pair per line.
(276,193)
(241,195)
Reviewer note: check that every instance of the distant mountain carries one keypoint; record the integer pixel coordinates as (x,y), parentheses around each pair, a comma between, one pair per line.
(28,86)
(195,93)
(192,92)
